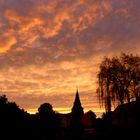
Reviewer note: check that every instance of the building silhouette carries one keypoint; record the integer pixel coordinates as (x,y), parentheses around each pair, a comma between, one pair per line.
(77,110)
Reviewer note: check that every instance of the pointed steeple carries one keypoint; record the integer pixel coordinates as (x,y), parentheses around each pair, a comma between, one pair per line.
(77,100)
(77,109)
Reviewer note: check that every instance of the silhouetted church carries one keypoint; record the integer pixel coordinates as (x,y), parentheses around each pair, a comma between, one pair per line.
(77,109)
(77,116)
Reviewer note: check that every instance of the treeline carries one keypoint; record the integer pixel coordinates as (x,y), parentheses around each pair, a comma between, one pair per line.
(17,124)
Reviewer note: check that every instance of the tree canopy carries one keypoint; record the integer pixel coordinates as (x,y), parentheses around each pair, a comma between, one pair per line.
(118,80)
(45,109)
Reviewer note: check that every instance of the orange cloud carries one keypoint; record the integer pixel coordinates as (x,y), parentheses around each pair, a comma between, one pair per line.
(12,17)
(6,44)
(56,47)
(51,80)
(27,26)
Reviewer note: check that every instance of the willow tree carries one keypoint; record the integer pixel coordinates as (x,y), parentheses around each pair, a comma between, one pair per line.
(118,80)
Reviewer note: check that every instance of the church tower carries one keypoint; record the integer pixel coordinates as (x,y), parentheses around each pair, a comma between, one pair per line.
(77,109)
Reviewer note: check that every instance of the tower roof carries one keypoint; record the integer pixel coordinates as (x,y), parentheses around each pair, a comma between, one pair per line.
(77,99)
(77,108)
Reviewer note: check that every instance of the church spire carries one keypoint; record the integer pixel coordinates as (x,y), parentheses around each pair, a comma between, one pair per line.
(77,100)
(77,109)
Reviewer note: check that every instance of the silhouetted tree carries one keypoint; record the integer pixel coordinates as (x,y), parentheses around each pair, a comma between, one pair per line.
(3,101)
(118,80)
(48,121)
(45,109)
(3,107)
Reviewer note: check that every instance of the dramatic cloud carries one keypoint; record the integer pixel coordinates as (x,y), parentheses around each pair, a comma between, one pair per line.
(50,48)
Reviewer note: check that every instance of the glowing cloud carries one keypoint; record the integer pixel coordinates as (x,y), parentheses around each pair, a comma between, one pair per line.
(50,48)
(6,43)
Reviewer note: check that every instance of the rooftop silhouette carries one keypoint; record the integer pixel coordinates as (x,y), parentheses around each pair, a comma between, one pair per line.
(77,108)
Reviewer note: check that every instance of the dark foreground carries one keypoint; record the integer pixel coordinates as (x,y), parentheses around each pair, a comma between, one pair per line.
(17,124)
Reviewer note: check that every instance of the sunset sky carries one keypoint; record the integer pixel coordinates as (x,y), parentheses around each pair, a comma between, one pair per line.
(50,48)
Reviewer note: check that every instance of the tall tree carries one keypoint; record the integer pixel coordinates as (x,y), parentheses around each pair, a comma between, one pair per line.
(118,80)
